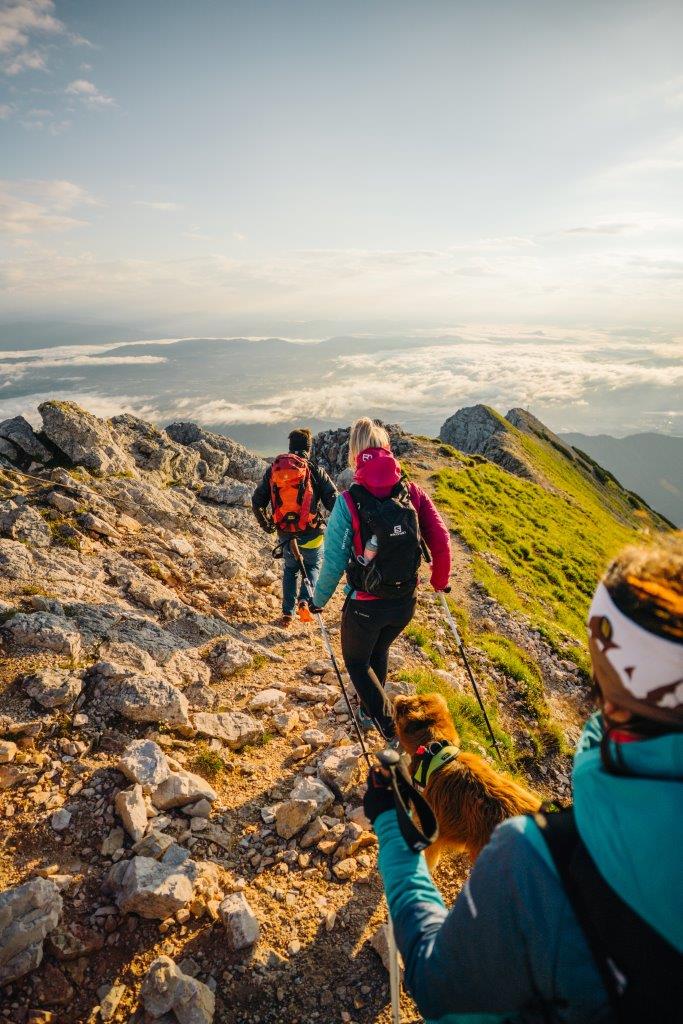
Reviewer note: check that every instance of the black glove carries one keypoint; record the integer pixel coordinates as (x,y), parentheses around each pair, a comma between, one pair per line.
(378,796)
(315,609)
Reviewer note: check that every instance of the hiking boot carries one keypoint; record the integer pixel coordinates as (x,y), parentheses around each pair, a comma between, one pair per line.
(304,612)
(365,722)
(284,621)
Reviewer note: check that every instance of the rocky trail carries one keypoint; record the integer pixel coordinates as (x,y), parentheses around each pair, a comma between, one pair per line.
(180,784)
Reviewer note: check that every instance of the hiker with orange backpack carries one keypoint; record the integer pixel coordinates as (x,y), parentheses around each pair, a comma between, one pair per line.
(288,501)
(377,533)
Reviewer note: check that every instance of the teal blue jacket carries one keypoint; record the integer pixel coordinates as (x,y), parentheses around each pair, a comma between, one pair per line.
(338,542)
(510,948)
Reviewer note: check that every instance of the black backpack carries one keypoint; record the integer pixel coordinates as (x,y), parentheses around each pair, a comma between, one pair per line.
(641,971)
(393,520)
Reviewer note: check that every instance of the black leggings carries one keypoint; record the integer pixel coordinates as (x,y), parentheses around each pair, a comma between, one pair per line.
(368,630)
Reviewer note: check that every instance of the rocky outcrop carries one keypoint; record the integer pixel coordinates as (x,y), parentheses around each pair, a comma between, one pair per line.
(28,913)
(85,439)
(331,450)
(480,430)
(22,446)
(222,455)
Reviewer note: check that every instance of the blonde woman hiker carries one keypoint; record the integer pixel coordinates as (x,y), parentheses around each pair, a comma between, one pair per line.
(376,535)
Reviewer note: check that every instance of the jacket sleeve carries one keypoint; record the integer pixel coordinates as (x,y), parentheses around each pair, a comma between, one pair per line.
(436,536)
(327,492)
(338,537)
(260,500)
(475,958)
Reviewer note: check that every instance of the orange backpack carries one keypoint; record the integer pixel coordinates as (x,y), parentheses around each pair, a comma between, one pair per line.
(291,494)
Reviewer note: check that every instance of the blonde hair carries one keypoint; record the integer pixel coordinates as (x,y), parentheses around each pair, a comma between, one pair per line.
(366,433)
(646,583)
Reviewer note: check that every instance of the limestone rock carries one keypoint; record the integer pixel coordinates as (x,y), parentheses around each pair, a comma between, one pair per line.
(314,737)
(28,913)
(23,523)
(240,923)
(232,494)
(144,762)
(313,789)
(44,631)
(265,699)
(167,990)
(60,820)
(131,809)
(154,844)
(293,815)
(85,439)
(218,449)
(16,561)
(234,728)
(112,842)
(286,721)
(8,751)
(27,447)
(54,687)
(316,831)
(150,699)
(229,656)
(182,788)
(339,767)
(345,869)
(154,889)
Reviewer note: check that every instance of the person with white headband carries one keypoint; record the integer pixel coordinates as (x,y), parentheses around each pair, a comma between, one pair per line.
(574,916)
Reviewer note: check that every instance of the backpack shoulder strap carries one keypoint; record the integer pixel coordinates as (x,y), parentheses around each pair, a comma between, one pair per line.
(355,522)
(642,973)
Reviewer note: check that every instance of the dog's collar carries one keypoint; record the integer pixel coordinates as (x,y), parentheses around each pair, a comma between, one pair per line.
(430,759)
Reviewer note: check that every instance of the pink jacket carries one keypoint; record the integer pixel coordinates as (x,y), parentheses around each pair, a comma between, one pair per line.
(378,471)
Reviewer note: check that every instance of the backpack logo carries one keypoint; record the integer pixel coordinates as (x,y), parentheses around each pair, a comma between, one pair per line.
(366,457)
(398,531)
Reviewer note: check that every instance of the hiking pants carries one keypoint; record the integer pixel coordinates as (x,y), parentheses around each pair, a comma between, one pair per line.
(367,631)
(312,557)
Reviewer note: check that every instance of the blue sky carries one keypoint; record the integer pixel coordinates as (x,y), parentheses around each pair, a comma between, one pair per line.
(429,162)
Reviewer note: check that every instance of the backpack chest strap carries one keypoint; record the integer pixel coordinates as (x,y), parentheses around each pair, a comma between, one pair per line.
(431,759)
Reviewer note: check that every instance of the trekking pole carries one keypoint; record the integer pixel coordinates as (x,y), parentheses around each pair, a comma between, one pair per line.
(458,640)
(294,548)
(417,838)
(394,977)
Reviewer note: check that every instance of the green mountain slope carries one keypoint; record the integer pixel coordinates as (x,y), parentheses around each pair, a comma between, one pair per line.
(539,547)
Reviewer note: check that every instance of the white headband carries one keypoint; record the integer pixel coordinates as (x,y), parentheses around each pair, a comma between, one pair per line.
(650,667)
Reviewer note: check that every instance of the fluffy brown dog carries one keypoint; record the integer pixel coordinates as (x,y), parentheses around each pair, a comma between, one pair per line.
(467,796)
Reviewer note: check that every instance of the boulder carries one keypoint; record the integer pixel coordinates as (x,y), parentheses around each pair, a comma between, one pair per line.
(286,721)
(313,789)
(241,924)
(229,656)
(149,699)
(61,819)
(234,728)
(338,767)
(167,990)
(152,888)
(265,699)
(144,762)
(154,844)
(28,913)
(85,439)
(132,810)
(182,788)
(28,448)
(44,631)
(54,687)
(293,815)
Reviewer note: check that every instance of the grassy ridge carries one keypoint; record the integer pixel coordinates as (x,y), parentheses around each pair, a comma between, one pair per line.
(539,552)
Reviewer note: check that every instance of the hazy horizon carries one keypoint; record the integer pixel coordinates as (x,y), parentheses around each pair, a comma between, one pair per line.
(257,390)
